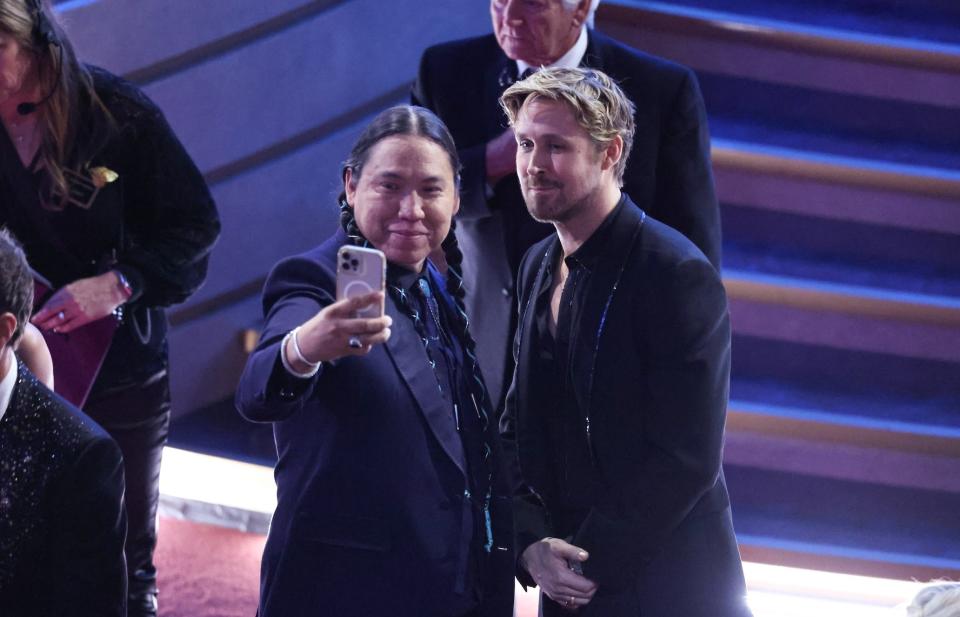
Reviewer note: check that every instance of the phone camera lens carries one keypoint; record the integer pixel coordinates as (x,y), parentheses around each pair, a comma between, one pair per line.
(354,262)
(346,255)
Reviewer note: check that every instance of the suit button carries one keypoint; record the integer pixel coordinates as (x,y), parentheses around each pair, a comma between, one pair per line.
(505,292)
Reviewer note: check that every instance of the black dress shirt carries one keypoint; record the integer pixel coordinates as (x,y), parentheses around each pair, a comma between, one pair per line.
(156,223)
(576,479)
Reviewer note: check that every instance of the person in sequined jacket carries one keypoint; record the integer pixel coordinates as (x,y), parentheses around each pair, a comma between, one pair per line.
(62,520)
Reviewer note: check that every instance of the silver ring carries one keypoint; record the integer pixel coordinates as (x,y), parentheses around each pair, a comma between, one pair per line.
(354,343)
(61,316)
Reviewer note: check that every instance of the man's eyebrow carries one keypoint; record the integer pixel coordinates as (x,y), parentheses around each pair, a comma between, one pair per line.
(545,136)
(388,174)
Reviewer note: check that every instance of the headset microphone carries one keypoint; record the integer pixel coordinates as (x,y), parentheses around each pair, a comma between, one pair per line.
(25,109)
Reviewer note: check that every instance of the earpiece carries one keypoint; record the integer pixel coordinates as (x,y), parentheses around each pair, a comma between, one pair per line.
(44,35)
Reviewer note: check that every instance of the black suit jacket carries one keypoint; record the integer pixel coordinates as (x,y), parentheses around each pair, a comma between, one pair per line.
(62,518)
(370,476)
(650,373)
(668,173)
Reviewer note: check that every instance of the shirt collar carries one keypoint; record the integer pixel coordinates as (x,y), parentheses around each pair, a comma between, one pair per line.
(6,385)
(591,251)
(404,278)
(569,60)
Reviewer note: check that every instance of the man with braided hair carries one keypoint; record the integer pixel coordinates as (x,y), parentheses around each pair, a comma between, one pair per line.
(390,495)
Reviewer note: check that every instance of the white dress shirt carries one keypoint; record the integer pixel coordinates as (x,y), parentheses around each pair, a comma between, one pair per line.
(569,60)
(7,383)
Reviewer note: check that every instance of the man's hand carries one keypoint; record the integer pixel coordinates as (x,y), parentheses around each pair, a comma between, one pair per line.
(328,334)
(501,157)
(548,562)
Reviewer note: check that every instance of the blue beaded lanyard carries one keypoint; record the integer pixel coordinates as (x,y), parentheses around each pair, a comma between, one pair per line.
(426,339)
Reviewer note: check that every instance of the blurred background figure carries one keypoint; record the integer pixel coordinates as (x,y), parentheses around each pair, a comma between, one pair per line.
(115,217)
(936,600)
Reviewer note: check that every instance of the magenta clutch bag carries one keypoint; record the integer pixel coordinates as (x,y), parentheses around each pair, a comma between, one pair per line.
(78,355)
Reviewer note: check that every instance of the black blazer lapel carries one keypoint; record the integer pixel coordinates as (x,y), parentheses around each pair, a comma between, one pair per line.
(538,264)
(410,358)
(594,56)
(528,433)
(602,292)
(491,115)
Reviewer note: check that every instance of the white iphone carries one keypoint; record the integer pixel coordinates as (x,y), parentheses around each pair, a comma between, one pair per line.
(359,272)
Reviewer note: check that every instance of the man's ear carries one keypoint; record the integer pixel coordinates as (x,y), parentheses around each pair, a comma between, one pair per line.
(612,153)
(8,326)
(349,185)
(580,13)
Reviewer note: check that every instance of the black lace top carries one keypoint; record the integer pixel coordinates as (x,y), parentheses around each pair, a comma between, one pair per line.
(156,222)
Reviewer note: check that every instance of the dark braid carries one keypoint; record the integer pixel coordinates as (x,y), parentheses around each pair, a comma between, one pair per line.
(454,257)
(349,224)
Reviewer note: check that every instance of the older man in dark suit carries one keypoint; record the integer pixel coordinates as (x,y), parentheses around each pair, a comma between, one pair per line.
(668,176)
(617,407)
(62,520)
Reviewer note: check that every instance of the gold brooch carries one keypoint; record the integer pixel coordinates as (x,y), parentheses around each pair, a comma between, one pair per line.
(102,176)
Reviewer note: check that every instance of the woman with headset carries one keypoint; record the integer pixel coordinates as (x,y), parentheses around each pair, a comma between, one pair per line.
(114,214)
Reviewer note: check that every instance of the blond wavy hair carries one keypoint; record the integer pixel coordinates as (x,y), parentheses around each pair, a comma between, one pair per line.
(598,104)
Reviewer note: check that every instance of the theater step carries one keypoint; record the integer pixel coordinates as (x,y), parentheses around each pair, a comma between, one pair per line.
(824,523)
(839,251)
(923,20)
(792,182)
(832,123)
(739,40)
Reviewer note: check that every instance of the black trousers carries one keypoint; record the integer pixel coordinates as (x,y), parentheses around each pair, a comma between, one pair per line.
(137,416)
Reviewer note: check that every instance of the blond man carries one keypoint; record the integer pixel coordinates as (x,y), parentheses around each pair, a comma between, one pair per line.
(668,175)
(617,406)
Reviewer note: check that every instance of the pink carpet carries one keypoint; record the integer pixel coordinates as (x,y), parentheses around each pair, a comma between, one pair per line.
(207,571)
(210,571)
